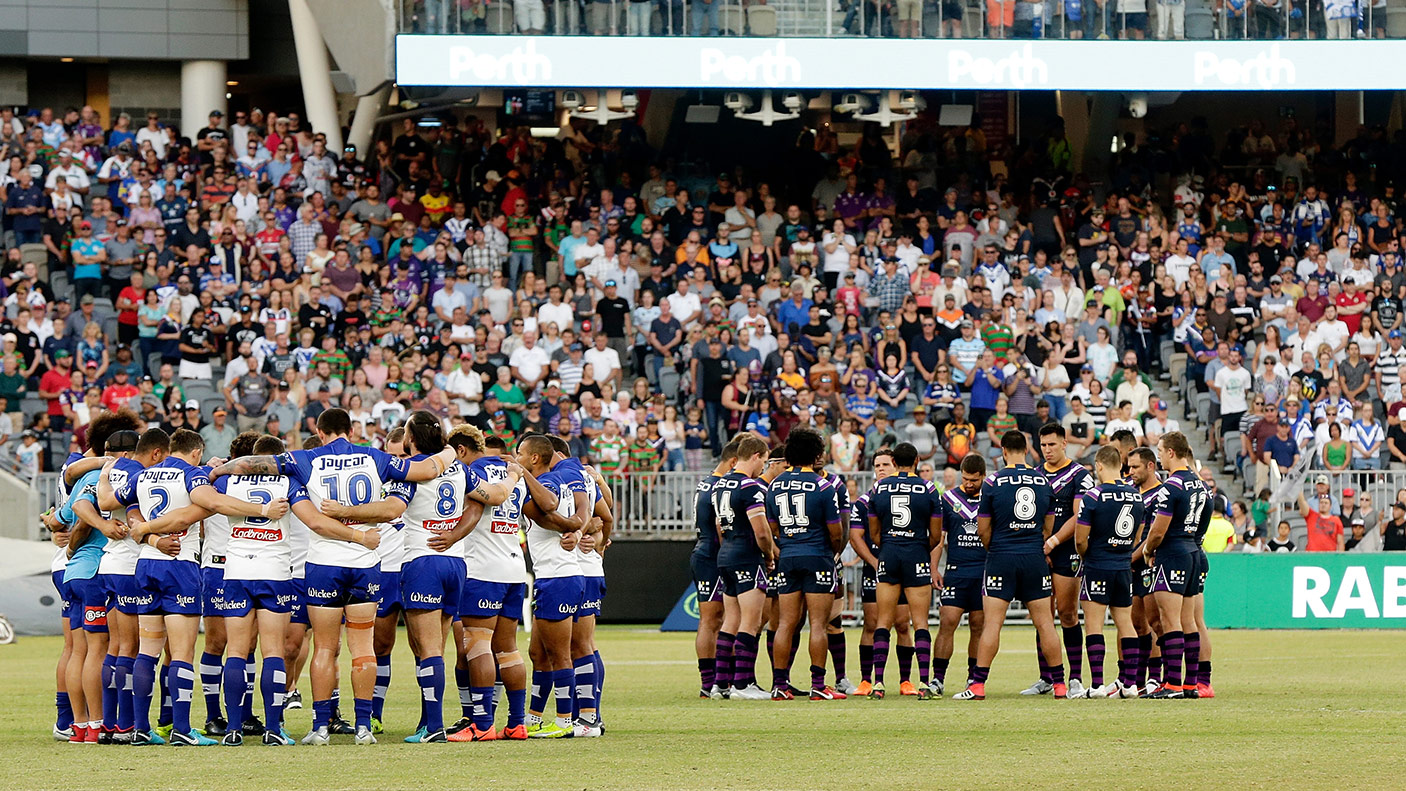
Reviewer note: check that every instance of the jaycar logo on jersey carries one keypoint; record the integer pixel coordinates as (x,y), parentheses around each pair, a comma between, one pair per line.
(524,64)
(1267,70)
(770,67)
(1018,69)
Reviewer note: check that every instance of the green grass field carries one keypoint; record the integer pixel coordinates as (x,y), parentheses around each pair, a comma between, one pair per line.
(1296,710)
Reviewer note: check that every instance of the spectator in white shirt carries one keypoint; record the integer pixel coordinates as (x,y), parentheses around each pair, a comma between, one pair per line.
(604,360)
(687,307)
(554,311)
(530,363)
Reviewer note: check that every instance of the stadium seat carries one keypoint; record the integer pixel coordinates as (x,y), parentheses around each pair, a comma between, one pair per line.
(37,254)
(761,20)
(731,21)
(109,325)
(58,283)
(498,17)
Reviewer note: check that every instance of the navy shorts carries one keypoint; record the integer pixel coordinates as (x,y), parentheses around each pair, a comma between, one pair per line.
(1142,580)
(334,586)
(1175,573)
(592,597)
(298,611)
(706,577)
(479,599)
(432,582)
(557,598)
(806,575)
(773,582)
(89,611)
(907,566)
(123,594)
(174,586)
(1109,588)
(1016,577)
(217,600)
(1064,560)
(963,593)
(65,597)
(271,595)
(839,578)
(738,580)
(390,594)
(868,585)
(1203,566)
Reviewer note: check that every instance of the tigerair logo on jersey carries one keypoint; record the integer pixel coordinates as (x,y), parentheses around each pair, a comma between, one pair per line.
(257,533)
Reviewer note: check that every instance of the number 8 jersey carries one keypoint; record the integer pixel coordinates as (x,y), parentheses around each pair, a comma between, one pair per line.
(431,507)
(350,475)
(1016,499)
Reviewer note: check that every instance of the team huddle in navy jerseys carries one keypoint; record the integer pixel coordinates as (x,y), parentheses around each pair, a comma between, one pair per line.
(1122,540)
(293,551)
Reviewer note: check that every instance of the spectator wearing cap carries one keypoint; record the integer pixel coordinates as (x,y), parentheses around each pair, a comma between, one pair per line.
(1387,369)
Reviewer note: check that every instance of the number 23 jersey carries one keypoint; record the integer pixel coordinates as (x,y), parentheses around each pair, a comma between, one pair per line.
(1016,499)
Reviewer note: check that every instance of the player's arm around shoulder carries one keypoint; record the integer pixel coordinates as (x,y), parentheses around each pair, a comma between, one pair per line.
(330,528)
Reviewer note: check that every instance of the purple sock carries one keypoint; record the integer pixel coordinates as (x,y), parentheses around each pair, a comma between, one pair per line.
(922,646)
(706,673)
(881,654)
(1172,649)
(744,660)
(1074,649)
(905,662)
(1096,648)
(770,648)
(1045,674)
(837,653)
(722,668)
(1128,665)
(980,674)
(817,677)
(866,662)
(1191,654)
(1144,658)
(1203,672)
(939,668)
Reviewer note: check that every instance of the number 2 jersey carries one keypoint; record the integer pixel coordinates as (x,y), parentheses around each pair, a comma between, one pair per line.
(735,497)
(161,488)
(1016,499)
(492,550)
(432,508)
(1184,500)
(260,548)
(348,474)
(1113,512)
(803,505)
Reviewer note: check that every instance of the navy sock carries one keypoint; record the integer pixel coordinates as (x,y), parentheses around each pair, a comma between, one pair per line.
(109,676)
(383,682)
(65,711)
(600,672)
(922,646)
(880,651)
(321,713)
(143,684)
(866,662)
(584,692)
(482,698)
(247,705)
(837,653)
(362,706)
(541,685)
(1074,649)
(163,678)
(462,681)
(561,690)
(234,690)
(517,707)
(123,679)
(211,671)
(182,689)
(273,683)
(905,661)
(1096,648)
(430,676)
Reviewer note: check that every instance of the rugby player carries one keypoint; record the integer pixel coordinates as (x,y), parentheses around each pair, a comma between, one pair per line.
(392,553)
(343,569)
(297,642)
(803,509)
(775,465)
(1016,516)
(1172,543)
(863,546)
(172,620)
(746,551)
(434,570)
(595,537)
(834,628)
(1108,521)
(1198,640)
(1142,473)
(707,581)
(558,587)
(491,603)
(905,524)
(1068,480)
(961,577)
(259,591)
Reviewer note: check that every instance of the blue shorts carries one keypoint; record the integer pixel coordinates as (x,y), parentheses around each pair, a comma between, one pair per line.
(298,611)
(432,583)
(174,586)
(217,599)
(964,593)
(1203,567)
(65,597)
(706,577)
(480,599)
(390,594)
(1017,577)
(89,611)
(272,595)
(557,598)
(868,585)
(909,566)
(1064,560)
(334,586)
(1111,588)
(123,594)
(1142,580)
(592,597)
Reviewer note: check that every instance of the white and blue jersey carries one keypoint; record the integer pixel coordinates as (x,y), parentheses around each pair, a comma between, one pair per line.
(558,587)
(173,583)
(494,563)
(259,554)
(120,556)
(430,579)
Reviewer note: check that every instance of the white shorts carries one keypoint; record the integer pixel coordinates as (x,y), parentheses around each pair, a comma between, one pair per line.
(530,15)
(193,370)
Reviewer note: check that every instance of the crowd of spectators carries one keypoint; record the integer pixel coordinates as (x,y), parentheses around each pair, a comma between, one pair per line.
(242,276)
(1026,19)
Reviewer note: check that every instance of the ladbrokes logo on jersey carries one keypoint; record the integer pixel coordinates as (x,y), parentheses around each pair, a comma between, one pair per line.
(522,65)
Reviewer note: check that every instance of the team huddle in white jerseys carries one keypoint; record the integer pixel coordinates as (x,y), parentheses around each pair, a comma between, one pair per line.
(272,547)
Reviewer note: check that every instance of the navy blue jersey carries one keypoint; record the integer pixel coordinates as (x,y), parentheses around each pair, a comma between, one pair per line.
(905,506)
(1113,512)
(735,497)
(1185,502)
(803,504)
(703,517)
(859,518)
(843,496)
(1151,501)
(1068,484)
(1017,500)
(966,555)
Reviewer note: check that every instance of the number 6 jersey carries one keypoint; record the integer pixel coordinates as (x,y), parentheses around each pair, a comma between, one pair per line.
(1113,512)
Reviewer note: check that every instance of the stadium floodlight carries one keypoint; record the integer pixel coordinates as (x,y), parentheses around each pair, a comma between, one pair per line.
(767,113)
